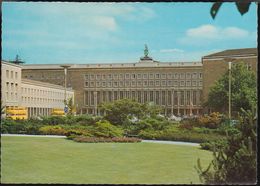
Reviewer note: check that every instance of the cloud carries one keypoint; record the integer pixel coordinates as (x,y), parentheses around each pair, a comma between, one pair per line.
(171,50)
(206,34)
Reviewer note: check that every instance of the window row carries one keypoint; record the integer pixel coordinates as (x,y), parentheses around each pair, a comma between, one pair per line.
(142,83)
(11,96)
(40,100)
(37,92)
(11,74)
(13,87)
(187,75)
(187,97)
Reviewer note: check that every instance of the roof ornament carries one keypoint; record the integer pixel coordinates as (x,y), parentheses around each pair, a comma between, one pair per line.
(146,52)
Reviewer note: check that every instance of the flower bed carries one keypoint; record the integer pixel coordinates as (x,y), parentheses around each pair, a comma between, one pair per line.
(106,140)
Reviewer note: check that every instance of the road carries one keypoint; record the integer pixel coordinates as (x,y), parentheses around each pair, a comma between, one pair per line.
(145,141)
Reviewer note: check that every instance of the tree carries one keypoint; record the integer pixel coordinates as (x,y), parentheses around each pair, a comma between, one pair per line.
(242,7)
(120,112)
(235,161)
(243,90)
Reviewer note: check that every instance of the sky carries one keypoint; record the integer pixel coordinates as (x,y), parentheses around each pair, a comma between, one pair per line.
(82,33)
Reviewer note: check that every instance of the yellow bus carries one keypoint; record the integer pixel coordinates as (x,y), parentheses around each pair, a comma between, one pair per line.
(57,112)
(16,112)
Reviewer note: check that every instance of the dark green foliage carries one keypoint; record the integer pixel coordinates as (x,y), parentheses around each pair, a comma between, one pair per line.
(120,112)
(179,135)
(242,7)
(30,126)
(53,120)
(235,161)
(243,90)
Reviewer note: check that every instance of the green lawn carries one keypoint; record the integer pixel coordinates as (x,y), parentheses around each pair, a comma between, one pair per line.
(56,160)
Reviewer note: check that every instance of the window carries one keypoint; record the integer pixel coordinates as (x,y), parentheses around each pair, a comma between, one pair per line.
(163,83)
(200,75)
(139,76)
(115,84)
(145,76)
(188,76)
(182,75)
(163,76)
(133,83)
(176,83)
(98,76)
(115,76)
(104,76)
(176,76)
(193,83)
(12,74)
(7,86)
(188,83)
(194,75)
(127,83)
(109,76)
(133,76)
(7,73)
(86,84)
(92,84)
(16,75)
(139,83)
(145,83)
(150,83)
(157,83)
(182,83)
(127,76)
(169,83)
(92,76)
(103,84)
(98,84)
(121,76)
(150,76)
(121,83)
(169,75)
(200,83)
(157,76)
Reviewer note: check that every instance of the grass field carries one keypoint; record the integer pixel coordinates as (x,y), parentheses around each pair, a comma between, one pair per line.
(56,160)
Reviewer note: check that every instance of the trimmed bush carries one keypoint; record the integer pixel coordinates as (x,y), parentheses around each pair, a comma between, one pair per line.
(52,130)
(105,129)
(106,140)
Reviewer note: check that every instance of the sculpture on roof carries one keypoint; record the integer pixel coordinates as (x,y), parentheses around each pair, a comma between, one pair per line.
(146,52)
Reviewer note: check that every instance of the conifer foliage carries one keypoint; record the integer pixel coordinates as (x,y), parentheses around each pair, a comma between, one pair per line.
(235,161)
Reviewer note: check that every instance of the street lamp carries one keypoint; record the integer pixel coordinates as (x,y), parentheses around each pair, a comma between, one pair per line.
(65,67)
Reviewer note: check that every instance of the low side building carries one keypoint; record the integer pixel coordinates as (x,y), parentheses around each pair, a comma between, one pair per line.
(38,97)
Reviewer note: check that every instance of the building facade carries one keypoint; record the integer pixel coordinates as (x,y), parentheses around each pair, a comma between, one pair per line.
(180,87)
(38,97)
(175,86)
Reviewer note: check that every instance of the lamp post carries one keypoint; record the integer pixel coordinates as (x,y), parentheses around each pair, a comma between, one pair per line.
(229,90)
(65,67)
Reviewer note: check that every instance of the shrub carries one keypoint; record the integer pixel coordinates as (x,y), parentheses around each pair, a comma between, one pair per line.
(53,120)
(106,140)
(52,130)
(105,129)
(212,121)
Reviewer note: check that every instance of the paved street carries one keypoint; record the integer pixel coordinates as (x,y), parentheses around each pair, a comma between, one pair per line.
(145,141)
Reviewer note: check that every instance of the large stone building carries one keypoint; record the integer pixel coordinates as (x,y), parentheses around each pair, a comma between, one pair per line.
(180,87)
(215,65)
(38,97)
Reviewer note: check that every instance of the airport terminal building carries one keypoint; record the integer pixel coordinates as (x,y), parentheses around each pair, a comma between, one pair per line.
(180,87)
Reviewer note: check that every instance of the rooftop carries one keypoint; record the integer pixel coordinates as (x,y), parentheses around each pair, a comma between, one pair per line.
(234,52)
